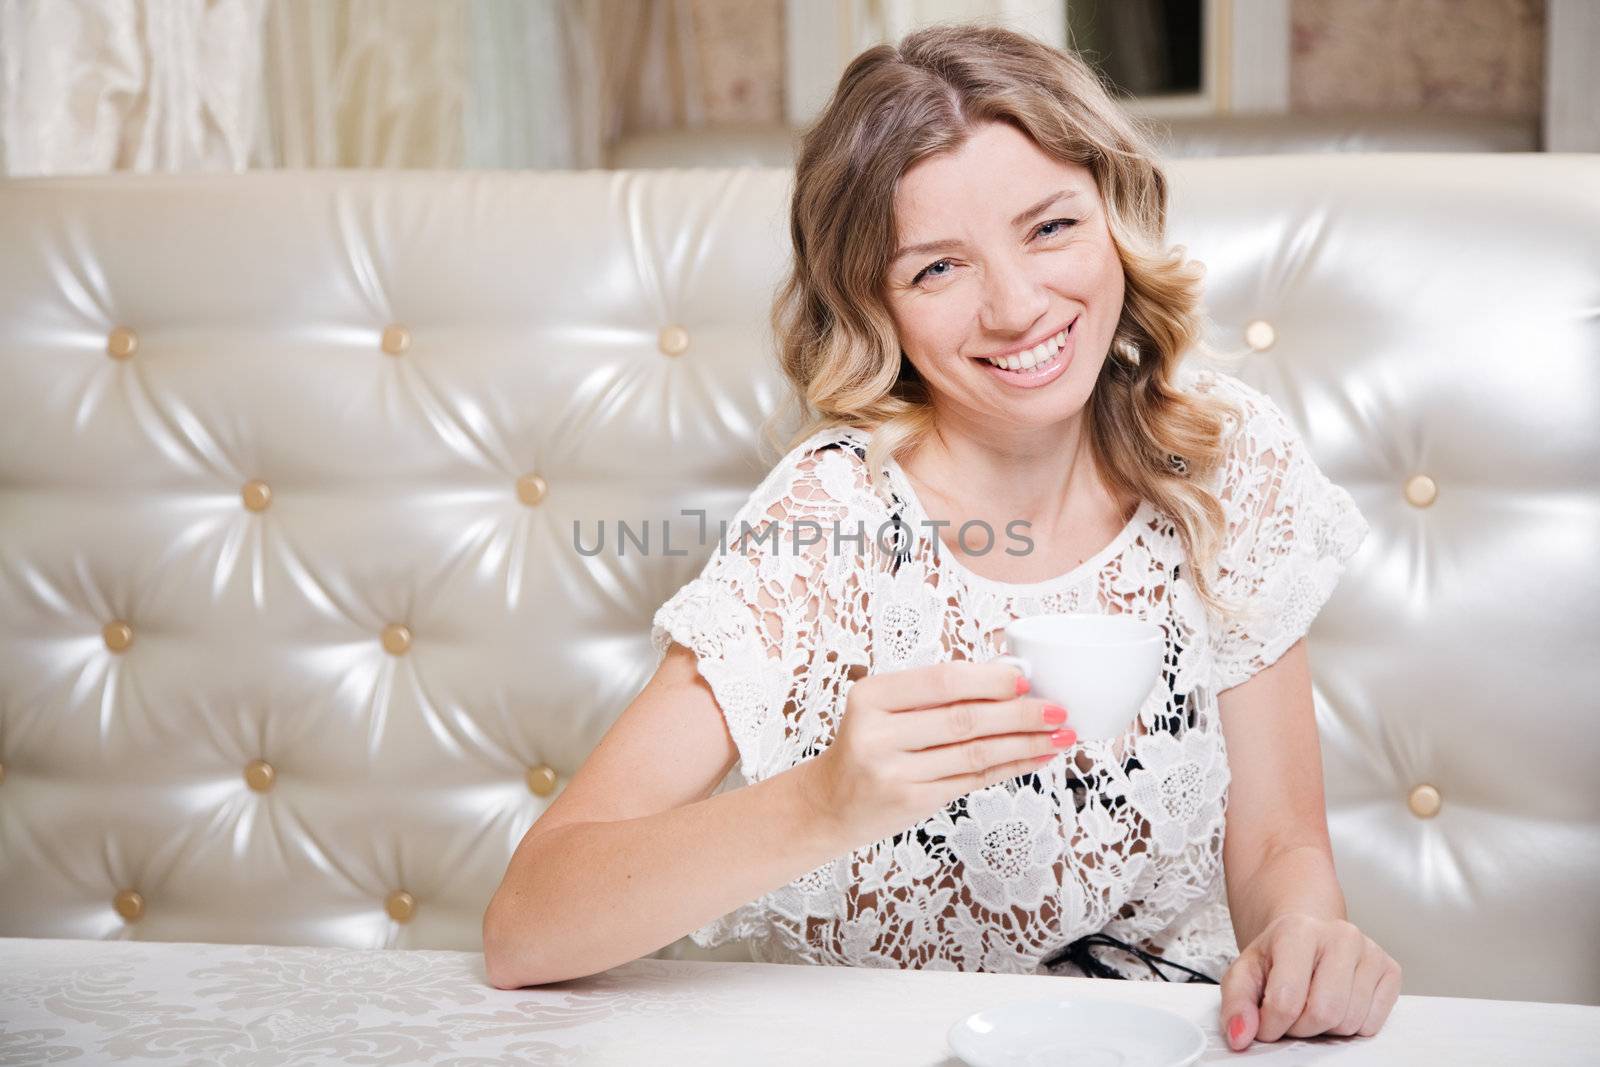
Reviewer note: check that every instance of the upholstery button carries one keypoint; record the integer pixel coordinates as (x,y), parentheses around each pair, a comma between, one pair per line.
(129,904)
(400,905)
(1421,490)
(673,340)
(122,343)
(118,636)
(257,495)
(1259,335)
(531,489)
(1424,802)
(396,339)
(542,780)
(396,638)
(260,775)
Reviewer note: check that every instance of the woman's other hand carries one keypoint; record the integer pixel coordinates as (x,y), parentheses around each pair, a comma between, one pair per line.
(1304,976)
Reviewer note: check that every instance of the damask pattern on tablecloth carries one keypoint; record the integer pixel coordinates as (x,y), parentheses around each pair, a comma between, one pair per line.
(253,1005)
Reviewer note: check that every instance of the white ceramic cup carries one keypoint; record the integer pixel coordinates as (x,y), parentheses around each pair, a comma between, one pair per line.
(1099,667)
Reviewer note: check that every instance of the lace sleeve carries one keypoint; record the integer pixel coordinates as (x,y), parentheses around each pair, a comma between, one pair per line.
(751,616)
(1290,533)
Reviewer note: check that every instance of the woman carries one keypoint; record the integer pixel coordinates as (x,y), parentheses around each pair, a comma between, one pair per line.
(985,330)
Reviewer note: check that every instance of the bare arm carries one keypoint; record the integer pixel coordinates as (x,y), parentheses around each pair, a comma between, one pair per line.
(1276,855)
(605,875)
(636,852)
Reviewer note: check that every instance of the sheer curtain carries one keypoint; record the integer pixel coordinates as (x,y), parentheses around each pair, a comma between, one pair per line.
(88,86)
(644,70)
(98,85)
(362,83)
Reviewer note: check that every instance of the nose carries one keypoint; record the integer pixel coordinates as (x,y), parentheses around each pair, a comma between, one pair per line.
(1013,300)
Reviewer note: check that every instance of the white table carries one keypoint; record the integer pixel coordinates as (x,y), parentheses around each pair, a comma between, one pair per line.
(82,1001)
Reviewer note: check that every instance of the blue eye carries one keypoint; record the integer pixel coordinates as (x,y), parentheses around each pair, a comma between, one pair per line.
(925,270)
(1052,222)
(917,279)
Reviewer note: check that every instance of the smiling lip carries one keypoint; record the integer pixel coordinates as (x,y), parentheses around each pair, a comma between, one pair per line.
(1019,349)
(1034,378)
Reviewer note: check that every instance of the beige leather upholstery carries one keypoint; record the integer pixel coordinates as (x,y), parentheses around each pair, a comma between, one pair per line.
(773,145)
(296,639)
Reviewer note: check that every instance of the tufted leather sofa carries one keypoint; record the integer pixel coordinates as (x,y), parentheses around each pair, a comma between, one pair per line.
(302,473)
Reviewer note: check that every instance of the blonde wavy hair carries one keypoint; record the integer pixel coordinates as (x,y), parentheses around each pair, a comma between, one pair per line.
(837,345)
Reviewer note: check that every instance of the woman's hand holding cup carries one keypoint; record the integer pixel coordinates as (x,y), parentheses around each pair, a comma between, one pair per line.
(912,741)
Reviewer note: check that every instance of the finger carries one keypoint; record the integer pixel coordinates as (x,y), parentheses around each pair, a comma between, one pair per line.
(965,720)
(1331,982)
(1383,1000)
(1290,957)
(1005,772)
(940,683)
(1374,961)
(978,756)
(1242,983)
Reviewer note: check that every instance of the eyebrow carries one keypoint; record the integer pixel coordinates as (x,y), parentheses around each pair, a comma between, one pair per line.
(1023,216)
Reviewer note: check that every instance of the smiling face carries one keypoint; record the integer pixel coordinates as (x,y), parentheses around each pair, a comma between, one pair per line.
(993,263)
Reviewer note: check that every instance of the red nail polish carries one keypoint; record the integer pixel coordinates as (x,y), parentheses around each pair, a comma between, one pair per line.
(1022,685)
(1054,714)
(1235,1029)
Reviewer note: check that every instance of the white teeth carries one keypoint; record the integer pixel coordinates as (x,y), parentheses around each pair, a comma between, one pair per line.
(1041,355)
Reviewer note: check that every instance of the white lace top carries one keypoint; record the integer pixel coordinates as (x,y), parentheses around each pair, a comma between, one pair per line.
(1121,836)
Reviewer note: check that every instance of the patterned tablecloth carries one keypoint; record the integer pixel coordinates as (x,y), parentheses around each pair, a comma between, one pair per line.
(78,1001)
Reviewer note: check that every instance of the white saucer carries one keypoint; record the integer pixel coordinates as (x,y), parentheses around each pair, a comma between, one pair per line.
(1076,1032)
